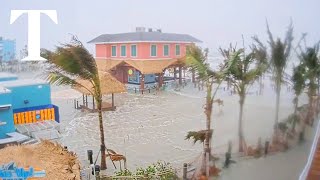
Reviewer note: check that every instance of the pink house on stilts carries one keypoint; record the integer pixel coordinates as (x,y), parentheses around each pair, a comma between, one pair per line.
(141,57)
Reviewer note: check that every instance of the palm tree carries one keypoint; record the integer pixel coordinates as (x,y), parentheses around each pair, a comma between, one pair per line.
(246,70)
(310,61)
(298,80)
(70,62)
(197,59)
(278,60)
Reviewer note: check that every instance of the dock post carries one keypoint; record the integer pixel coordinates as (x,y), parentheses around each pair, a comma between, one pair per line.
(75,103)
(266,147)
(83,100)
(184,171)
(90,154)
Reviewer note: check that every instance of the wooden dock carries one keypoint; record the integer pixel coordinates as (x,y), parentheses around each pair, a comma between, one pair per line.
(105,107)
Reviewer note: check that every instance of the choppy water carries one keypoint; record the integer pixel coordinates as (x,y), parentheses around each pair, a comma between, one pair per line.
(151,127)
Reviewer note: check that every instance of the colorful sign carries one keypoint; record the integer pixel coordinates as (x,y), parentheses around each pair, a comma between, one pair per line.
(11,172)
(130,72)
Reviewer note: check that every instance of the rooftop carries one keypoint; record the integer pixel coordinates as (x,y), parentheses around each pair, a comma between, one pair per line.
(22,82)
(144,37)
(6,75)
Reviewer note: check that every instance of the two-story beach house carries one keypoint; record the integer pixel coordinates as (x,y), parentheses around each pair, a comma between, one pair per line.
(142,56)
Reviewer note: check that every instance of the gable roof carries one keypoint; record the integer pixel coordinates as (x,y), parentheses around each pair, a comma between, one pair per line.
(144,37)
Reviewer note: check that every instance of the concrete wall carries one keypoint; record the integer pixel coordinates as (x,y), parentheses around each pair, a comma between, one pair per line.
(6,116)
(30,96)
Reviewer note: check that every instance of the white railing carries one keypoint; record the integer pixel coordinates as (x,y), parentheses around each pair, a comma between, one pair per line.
(306,169)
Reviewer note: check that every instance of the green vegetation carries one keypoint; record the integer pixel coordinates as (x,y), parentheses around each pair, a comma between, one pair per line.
(160,170)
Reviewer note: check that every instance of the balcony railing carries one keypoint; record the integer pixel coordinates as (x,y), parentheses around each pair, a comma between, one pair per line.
(306,169)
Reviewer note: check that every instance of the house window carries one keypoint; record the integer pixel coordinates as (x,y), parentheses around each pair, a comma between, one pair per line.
(177,50)
(153,50)
(134,50)
(123,50)
(113,51)
(166,50)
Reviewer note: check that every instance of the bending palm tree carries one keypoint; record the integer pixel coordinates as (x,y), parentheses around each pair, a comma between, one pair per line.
(72,61)
(244,72)
(298,80)
(197,59)
(310,62)
(278,60)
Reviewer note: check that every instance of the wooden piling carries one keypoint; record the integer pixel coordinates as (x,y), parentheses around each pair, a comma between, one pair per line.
(184,171)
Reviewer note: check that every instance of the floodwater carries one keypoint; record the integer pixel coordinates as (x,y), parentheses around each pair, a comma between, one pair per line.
(151,127)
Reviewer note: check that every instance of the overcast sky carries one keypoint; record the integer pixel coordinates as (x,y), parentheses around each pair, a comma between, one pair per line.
(215,22)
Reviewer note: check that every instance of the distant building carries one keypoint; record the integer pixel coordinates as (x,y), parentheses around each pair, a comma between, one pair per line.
(7,50)
(142,56)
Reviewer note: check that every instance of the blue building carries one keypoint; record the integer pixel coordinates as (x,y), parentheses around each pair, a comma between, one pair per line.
(23,105)
(6,113)
(7,50)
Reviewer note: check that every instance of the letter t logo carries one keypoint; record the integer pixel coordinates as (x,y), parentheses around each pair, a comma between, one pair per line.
(34,30)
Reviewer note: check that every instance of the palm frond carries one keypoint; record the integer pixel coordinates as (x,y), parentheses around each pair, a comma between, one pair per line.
(198,135)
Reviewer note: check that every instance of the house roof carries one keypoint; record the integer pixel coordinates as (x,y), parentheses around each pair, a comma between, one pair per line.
(7,75)
(144,37)
(145,66)
(109,85)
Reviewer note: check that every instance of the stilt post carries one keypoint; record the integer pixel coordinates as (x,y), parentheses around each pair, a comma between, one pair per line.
(180,75)
(142,82)
(93,105)
(86,100)
(112,96)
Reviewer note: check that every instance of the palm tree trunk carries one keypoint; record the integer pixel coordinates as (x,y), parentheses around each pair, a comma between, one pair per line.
(241,138)
(276,122)
(278,91)
(102,146)
(318,95)
(208,112)
(295,114)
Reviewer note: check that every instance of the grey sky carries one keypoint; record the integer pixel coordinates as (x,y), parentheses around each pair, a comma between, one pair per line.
(215,22)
